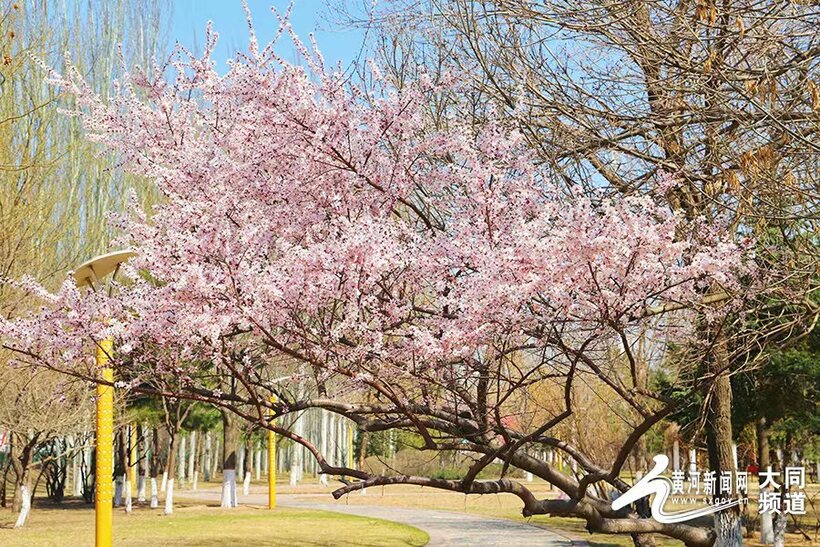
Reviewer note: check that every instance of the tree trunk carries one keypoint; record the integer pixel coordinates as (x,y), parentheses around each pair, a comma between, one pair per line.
(363,446)
(719,439)
(230,440)
(240,462)
(154,469)
(779,533)
(76,475)
(25,498)
(246,469)
(192,457)
(764,461)
(324,443)
(216,459)
(641,454)
(21,465)
(142,477)
(180,476)
(781,519)
(163,460)
(296,454)
(676,455)
(89,478)
(128,475)
(196,459)
(3,482)
(206,457)
(169,468)
(257,461)
(22,469)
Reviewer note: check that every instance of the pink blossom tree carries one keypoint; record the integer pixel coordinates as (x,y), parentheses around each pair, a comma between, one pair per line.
(318,234)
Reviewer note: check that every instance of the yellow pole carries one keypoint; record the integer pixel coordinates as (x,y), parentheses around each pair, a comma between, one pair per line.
(103,484)
(132,460)
(271,464)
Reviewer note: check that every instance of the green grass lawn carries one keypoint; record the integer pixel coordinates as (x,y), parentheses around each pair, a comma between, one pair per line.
(73,525)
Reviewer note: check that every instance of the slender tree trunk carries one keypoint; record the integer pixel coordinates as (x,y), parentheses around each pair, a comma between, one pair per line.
(21,464)
(169,468)
(230,440)
(119,469)
(142,478)
(719,438)
(3,482)
(365,436)
(196,459)
(22,468)
(24,495)
(764,461)
(216,458)
(90,478)
(240,463)
(180,476)
(154,469)
(76,465)
(129,468)
(246,468)
(166,443)
(324,443)
(641,454)
(257,461)
(192,457)
(206,457)
(781,519)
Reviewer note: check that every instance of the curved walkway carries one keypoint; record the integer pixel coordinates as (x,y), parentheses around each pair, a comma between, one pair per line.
(444,527)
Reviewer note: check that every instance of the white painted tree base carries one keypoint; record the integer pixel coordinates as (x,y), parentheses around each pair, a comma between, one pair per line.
(128,501)
(118,492)
(141,488)
(229,488)
(169,497)
(25,506)
(154,496)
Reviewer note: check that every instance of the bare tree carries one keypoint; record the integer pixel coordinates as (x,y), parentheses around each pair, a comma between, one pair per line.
(37,407)
(720,95)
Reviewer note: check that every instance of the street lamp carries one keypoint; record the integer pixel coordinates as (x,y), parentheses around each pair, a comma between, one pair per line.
(89,274)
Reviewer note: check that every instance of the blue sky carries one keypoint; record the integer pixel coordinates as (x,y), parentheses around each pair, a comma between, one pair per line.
(190,17)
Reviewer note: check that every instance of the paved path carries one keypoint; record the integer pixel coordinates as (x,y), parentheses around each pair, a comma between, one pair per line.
(444,527)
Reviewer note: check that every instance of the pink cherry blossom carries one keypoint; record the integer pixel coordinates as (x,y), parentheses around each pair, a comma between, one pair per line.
(299,208)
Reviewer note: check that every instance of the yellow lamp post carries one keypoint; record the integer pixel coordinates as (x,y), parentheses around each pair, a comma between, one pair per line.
(271,463)
(103,495)
(89,275)
(132,458)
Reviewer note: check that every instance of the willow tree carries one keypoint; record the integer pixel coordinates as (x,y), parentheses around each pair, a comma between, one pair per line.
(55,189)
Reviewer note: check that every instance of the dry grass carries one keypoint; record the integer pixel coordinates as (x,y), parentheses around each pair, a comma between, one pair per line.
(509,506)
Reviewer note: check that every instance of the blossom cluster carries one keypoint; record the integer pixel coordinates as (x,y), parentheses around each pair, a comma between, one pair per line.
(301,209)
